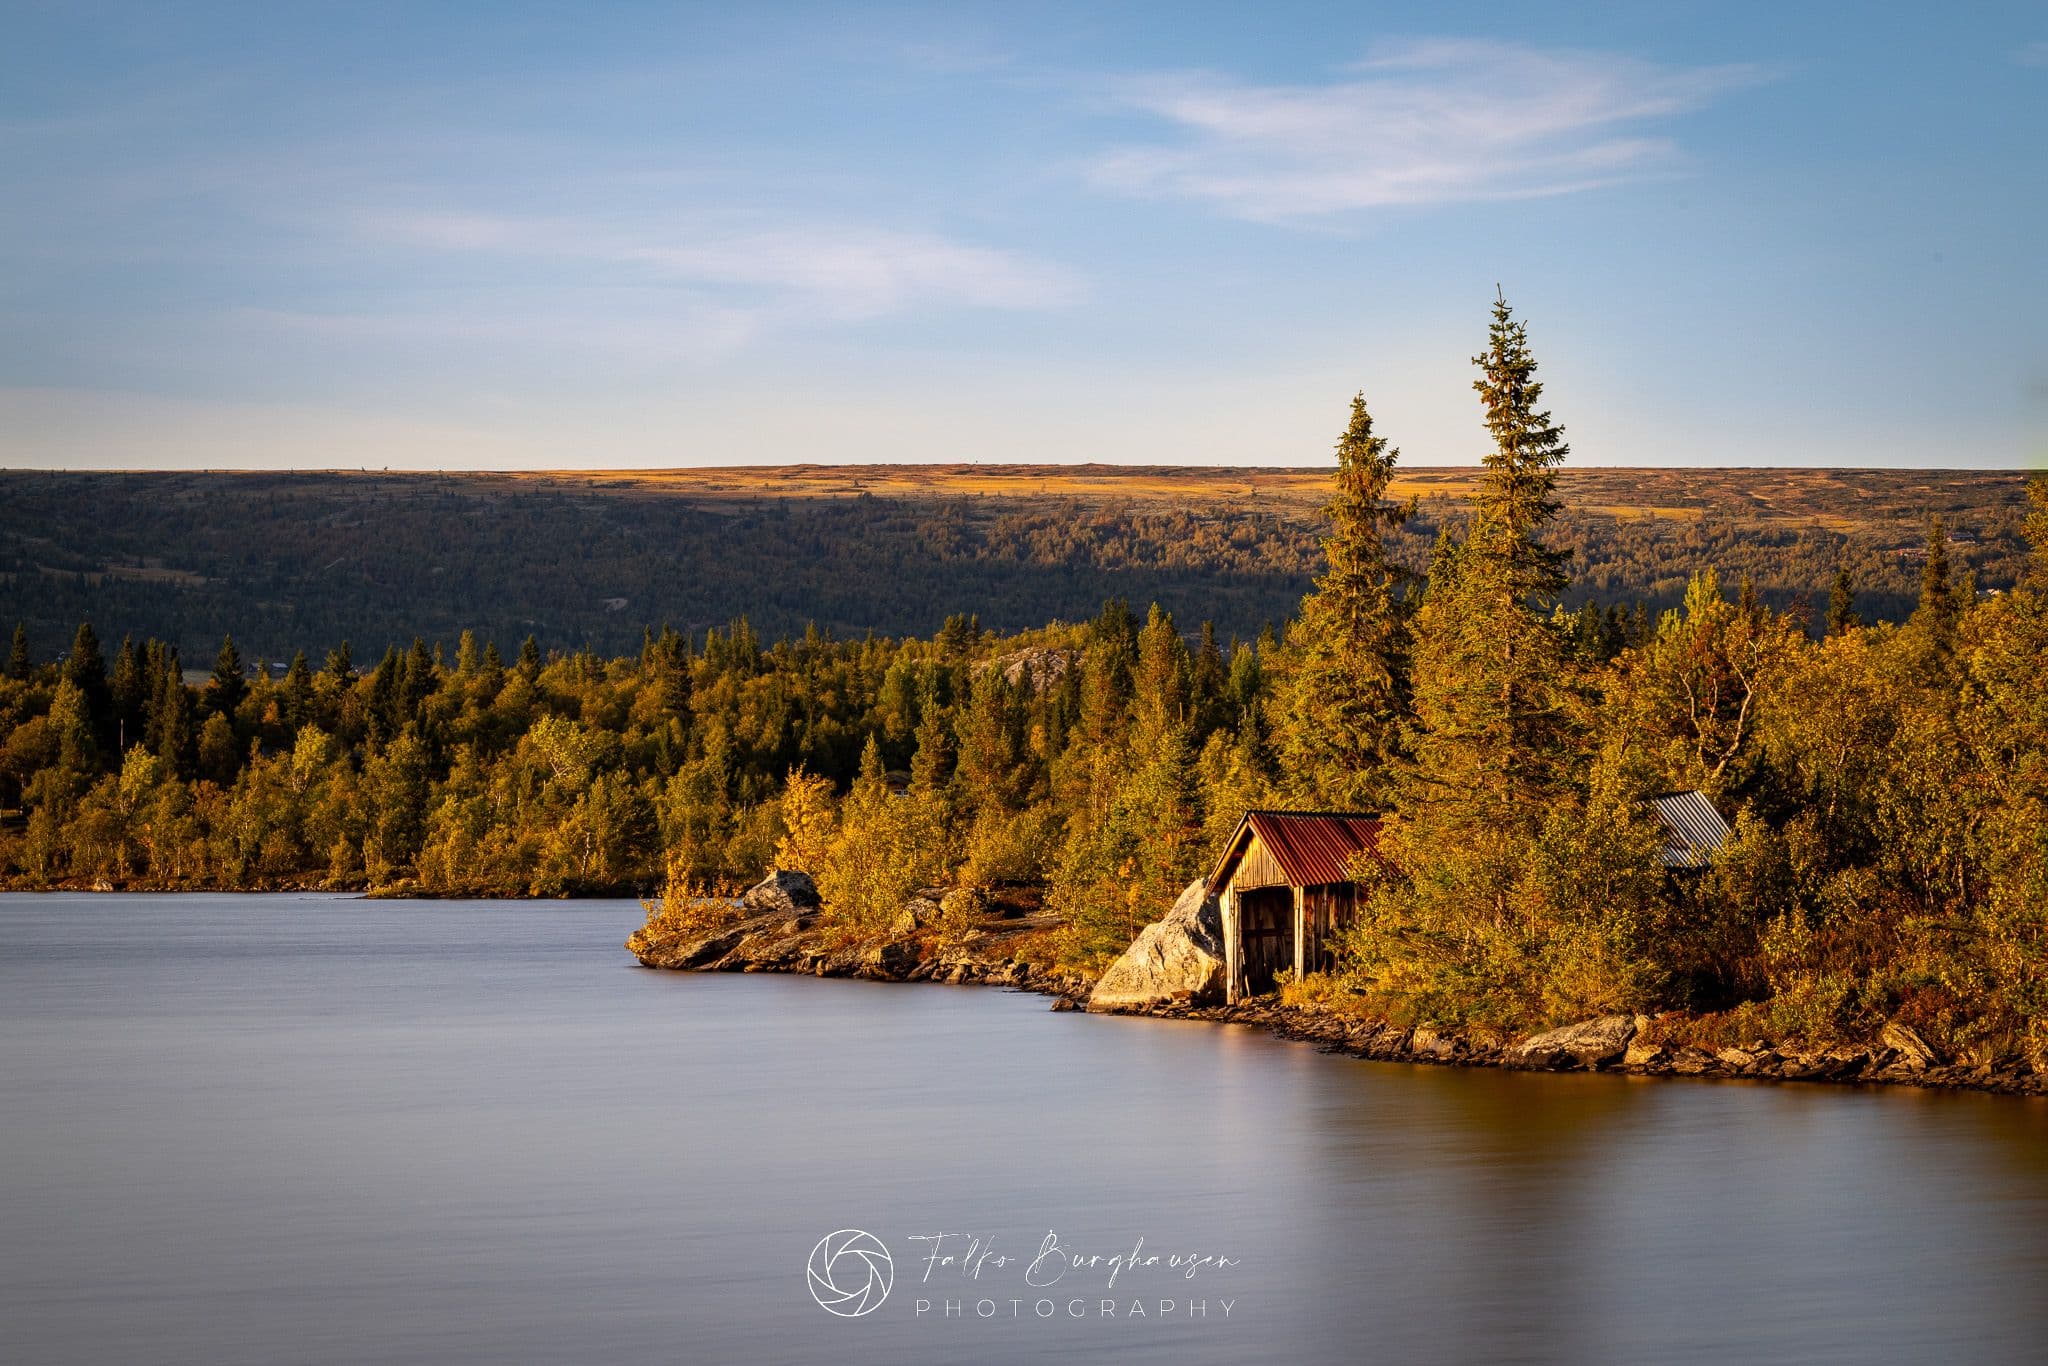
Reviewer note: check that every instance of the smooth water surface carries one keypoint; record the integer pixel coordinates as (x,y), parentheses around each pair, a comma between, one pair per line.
(316,1129)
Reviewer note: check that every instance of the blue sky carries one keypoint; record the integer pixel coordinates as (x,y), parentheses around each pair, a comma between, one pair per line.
(583,235)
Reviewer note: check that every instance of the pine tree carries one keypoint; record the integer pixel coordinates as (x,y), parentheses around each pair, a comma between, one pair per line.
(991,746)
(341,665)
(1517,493)
(1842,604)
(1161,698)
(1454,918)
(173,719)
(298,691)
(1440,579)
(1209,682)
(1491,675)
(226,689)
(420,679)
(130,690)
(931,764)
(85,668)
(1344,697)
(18,662)
(387,695)
(1939,607)
(529,659)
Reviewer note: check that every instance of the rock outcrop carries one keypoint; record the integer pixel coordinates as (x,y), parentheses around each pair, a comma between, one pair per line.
(1035,669)
(1175,959)
(1914,1054)
(783,892)
(1589,1043)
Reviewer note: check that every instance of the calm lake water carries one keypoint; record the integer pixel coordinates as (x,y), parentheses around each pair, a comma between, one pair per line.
(313,1129)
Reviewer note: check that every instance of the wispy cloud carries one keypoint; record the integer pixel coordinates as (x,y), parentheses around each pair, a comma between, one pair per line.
(2033,54)
(837,271)
(1425,123)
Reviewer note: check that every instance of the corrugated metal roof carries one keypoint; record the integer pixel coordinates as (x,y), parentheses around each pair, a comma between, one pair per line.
(1312,847)
(1693,829)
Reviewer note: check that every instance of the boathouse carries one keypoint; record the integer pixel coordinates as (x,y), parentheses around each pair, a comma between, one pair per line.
(1285,885)
(1286,882)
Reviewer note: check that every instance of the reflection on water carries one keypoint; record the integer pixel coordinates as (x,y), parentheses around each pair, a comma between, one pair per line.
(298,1128)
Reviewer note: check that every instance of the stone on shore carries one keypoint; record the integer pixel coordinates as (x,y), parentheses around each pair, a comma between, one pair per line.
(1589,1043)
(1430,1042)
(1177,959)
(783,892)
(1914,1053)
(891,962)
(1643,1053)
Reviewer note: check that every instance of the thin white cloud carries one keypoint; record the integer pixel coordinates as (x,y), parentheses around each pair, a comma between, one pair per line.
(1425,123)
(2033,54)
(685,330)
(841,272)
(861,272)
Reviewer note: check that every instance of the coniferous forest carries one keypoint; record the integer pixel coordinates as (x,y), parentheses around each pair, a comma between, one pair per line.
(1887,780)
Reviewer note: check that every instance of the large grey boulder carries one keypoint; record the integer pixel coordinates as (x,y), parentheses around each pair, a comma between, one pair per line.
(783,892)
(1177,958)
(1914,1054)
(1589,1043)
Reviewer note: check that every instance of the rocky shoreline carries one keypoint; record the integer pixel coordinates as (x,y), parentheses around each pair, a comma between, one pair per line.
(788,938)
(785,943)
(1620,1044)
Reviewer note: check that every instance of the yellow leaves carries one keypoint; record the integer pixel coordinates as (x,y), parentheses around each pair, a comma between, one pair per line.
(807,822)
(139,773)
(566,747)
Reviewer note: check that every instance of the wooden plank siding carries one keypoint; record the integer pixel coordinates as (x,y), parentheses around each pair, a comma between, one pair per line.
(1274,923)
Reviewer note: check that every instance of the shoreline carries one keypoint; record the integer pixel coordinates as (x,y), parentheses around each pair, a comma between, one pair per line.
(792,943)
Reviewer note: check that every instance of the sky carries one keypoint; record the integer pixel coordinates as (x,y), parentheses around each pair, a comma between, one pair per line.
(587,235)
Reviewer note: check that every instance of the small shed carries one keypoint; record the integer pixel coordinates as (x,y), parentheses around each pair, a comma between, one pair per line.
(1284,885)
(1693,831)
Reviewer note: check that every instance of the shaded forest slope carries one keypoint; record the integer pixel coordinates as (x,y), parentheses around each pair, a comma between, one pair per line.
(304,560)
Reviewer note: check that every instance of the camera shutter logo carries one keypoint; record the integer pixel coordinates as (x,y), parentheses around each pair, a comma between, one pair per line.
(850,1273)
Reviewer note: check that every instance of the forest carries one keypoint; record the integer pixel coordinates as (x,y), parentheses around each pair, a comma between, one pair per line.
(1887,780)
(305,560)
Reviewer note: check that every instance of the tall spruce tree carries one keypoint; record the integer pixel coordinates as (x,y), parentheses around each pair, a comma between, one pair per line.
(86,668)
(224,692)
(1344,695)
(1457,913)
(173,728)
(1842,603)
(1491,682)
(1939,602)
(18,661)
(130,689)
(1161,694)
(298,690)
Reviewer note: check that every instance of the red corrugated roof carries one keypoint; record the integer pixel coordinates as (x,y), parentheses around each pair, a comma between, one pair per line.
(1315,848)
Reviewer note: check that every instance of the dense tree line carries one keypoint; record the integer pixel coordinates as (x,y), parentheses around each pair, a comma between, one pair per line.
(305,560)
(1887,782)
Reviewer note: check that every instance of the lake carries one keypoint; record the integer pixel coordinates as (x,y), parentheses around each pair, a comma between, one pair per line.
(319,1129)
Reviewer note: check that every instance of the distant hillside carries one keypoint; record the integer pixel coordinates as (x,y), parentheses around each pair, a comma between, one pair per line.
(290,560)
